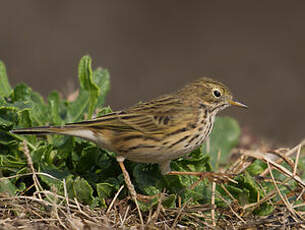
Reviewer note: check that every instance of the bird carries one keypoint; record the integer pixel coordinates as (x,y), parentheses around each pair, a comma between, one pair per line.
(156,131)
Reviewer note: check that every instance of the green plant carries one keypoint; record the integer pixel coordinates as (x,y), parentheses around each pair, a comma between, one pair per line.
(91,174)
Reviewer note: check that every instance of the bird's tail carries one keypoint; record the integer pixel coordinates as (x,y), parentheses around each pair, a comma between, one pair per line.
(71,130)
(42,130)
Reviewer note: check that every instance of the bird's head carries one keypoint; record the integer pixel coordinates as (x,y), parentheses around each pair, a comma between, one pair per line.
(212,94)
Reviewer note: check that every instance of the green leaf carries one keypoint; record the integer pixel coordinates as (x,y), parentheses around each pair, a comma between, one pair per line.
(23,97)
(224,137)
(54,108)
(147,178)
(82,191)
(6,186)
(246,191)
(93,89)
(104,190)
(170,201)
(264,209)
(88,159)
(256,168)
(22,93)
(57,175)
(87,83)
(102,79)
(7,117)
(5,87)
(6,139)
(104,110)
(77,108)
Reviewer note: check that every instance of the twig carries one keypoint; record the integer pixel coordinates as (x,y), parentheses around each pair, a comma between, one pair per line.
(156,214)
(280,168)
(29,174)
(79,208)
(114,199)
(179,213)
(30,164)
(228,193)
(67,197)
(125,216)
(235,213)
(213,203)
(301,194)
(285,201)
(296,161)
(55,210)
(240,165)
(287,154)
(266,198)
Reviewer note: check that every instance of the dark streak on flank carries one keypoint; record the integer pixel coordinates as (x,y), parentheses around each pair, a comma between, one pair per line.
(198,142)
(194,138)
(177,131)
(131,137)
(140,146)
(179,141)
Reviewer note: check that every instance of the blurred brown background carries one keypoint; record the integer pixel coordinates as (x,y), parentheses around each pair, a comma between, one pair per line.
(153,47)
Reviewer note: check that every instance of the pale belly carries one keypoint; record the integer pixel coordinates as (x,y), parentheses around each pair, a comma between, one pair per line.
(161,154)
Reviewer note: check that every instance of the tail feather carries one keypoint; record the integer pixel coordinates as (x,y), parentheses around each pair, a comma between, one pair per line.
(77,131)
(42,130)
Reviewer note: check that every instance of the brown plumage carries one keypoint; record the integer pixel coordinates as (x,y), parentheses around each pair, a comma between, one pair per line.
(157,131)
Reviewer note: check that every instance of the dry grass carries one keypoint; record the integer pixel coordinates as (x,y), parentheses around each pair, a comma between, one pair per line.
(48,210)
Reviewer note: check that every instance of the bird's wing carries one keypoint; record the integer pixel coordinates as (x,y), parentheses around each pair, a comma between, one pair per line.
(109,121)
(154,117)
(160,115)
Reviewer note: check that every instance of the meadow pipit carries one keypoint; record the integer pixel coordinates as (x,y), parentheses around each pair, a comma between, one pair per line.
(157,131)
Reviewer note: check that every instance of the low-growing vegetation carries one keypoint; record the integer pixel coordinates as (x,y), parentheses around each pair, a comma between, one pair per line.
(65,182)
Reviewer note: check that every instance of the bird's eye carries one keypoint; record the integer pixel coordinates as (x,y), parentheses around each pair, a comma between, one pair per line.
(216,93)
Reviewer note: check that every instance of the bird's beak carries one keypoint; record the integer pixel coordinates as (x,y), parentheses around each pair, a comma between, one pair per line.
(236,103)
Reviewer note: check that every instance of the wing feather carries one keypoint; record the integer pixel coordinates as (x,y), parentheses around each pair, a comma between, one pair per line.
(153,117)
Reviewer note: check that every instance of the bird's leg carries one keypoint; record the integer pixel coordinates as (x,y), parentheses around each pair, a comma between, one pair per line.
(165,167)
(130,186)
